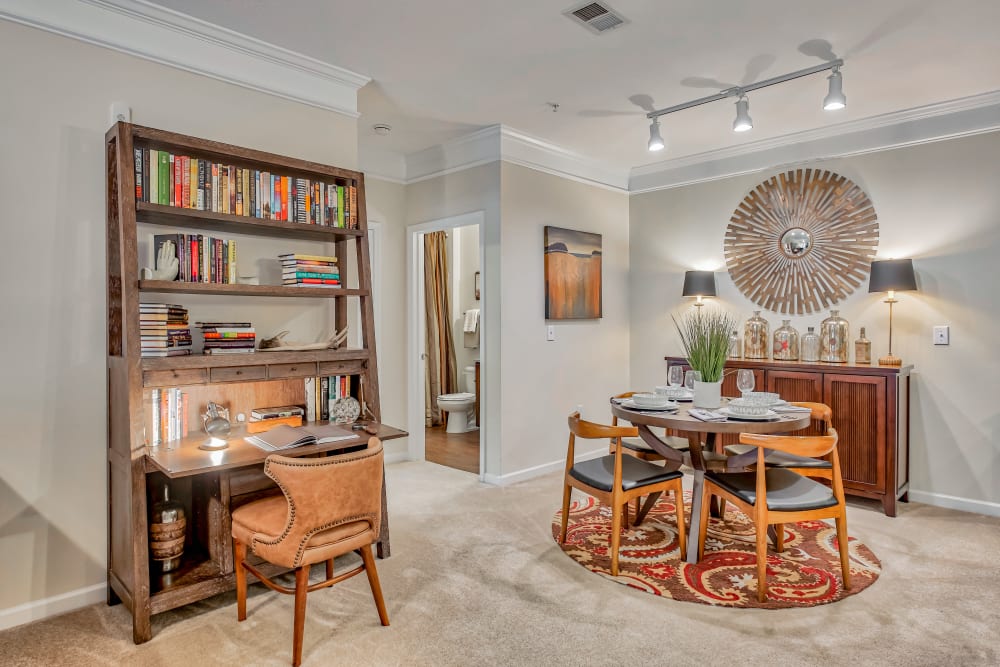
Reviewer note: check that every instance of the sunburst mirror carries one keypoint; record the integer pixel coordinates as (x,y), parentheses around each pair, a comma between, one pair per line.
(801,241)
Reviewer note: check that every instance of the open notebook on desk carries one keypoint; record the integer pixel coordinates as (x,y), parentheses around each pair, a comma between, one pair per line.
(287,437)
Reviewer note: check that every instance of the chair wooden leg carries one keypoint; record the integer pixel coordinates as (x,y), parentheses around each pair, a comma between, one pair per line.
(567,492)
(681,527)
(706,502)
(779,537)
(301,590)
(369,561)
(616,536)
(240,555)
(761,561)
(845,557)
(626,509)
(329,569)
(722,509)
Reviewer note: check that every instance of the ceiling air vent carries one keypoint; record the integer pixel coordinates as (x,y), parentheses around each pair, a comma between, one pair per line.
(597,17)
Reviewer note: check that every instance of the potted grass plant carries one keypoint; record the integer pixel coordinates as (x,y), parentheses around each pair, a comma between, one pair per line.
(705,337)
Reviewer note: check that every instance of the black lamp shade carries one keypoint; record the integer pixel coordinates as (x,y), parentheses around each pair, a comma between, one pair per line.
(892,274)
(699,283)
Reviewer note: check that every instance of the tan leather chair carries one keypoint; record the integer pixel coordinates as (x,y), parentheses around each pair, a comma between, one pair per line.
(331,506)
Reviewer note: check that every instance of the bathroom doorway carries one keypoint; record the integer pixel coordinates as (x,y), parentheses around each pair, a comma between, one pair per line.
(445,313)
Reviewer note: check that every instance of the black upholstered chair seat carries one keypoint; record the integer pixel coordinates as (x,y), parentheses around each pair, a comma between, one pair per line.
(600,473)
(783,459)
(679,444)
(786,491)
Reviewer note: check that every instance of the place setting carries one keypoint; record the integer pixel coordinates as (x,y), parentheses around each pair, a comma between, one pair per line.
(648,402)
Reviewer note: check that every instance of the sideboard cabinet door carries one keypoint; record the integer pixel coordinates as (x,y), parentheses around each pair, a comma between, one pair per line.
(859,412)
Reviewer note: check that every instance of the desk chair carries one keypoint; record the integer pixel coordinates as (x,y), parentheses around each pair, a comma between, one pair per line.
(331,506)
(778,496)
(615,480)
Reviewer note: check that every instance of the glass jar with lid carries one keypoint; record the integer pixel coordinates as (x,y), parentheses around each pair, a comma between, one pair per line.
(834,336)
(756,337)
(786,342)
(810,345)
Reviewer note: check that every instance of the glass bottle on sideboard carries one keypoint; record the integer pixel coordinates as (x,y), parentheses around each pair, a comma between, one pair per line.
(735,345)
(810,345)
(862,349)
(834,334)
(786,342)
(755,337)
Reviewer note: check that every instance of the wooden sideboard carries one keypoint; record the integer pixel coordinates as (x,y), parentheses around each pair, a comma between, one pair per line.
(871,412)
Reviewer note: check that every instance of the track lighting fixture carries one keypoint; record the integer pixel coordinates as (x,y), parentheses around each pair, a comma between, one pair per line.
(655,140)
(835,99)
(743,121)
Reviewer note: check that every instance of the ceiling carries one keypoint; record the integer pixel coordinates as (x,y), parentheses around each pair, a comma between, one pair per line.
(444,68)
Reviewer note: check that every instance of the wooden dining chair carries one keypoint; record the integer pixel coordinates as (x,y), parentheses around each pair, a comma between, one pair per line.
(330,507)
(822,468)
(615,480)
(778,496)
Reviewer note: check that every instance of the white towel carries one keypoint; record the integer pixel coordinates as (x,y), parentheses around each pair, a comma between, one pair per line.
(471,320)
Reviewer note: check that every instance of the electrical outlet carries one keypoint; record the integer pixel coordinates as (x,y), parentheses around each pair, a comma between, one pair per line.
(120,111)
(941,335)
(550,333)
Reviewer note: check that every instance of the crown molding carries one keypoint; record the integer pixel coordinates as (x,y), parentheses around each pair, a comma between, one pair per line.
(383,165)
(934,122)
(142,29)
(499,142)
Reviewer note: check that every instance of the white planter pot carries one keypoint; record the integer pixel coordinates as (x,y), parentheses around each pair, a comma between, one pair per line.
(707,394)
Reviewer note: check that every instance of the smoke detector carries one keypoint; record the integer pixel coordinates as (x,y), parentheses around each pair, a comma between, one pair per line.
(597,17)
(381,129)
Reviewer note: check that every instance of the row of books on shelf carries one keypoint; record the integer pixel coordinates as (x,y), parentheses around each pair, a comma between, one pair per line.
(168,416)
(200,258)
(321,392)
(188,182)
(163,330)
(300,270)
(228,337)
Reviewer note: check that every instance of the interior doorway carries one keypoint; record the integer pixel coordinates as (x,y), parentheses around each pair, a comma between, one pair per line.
(445,394)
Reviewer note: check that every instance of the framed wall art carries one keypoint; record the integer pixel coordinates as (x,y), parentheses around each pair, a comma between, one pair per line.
(572,274)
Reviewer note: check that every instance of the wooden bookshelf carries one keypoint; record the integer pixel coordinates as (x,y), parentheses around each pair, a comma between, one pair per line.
(209,483)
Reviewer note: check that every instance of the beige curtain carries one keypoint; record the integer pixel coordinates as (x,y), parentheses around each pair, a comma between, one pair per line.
(440,374)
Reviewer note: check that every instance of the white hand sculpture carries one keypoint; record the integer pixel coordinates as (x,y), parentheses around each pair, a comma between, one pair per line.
(166,262)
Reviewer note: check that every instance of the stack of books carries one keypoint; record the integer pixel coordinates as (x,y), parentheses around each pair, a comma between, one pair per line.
(169,416)
(163,330)
(299,270)
(228,337)
(183,181)
(200,258)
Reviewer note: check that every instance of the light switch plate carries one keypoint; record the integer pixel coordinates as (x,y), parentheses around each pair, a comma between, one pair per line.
(942,335)
(550,332)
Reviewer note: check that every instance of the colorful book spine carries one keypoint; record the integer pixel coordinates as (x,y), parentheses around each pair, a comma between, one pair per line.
(154,178)
(137,158)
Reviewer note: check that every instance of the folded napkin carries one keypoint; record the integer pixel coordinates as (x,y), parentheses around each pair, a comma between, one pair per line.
(791,408)
(707,415)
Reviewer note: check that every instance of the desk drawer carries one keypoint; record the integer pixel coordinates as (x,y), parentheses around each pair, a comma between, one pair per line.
(239,373)
(299,370)
(172,378)
(341,367)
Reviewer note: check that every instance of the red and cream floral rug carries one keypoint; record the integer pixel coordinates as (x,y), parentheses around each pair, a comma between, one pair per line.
(807,573)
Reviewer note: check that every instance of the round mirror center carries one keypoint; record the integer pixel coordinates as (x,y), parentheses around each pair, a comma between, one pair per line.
(796,242)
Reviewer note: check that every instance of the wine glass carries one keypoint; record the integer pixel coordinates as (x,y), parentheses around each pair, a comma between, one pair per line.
(690,377)
(744,381)
(675,376)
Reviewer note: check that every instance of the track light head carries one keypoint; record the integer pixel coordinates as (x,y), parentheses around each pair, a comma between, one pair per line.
(655,140)
(743,121)
(835,98)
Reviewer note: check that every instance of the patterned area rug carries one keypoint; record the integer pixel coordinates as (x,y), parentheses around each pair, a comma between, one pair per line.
(807,573)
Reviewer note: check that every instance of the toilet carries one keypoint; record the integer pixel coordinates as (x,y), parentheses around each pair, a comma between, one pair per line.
(461,407)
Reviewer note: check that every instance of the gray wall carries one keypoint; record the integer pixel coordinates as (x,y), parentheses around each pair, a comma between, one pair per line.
(938,203)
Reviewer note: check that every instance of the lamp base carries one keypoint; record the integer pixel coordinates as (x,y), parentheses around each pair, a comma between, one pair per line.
(890,360)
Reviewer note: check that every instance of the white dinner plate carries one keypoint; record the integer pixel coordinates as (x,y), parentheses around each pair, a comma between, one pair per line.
(631,405)
(768,416)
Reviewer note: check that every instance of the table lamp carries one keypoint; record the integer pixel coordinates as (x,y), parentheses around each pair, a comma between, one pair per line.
(699,284)
(891,275)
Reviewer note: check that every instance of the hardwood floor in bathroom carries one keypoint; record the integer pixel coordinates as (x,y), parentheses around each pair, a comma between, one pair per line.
(455,450)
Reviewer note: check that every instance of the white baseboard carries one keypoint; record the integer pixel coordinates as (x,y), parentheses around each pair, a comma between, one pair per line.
(52,606)
(955,503)
(537,471)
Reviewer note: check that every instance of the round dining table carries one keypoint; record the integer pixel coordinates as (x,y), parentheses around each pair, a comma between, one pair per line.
(702,453)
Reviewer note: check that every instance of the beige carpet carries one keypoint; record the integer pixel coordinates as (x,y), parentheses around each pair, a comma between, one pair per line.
(476,579)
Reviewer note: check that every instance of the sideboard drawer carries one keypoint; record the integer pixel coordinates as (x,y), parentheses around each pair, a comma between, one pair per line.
(341,367)
(240,373)
(307,369)
(174,377)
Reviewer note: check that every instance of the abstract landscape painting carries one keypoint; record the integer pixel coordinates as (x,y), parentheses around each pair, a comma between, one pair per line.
(572,274)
